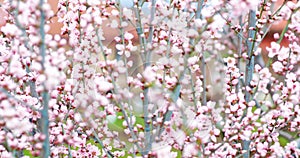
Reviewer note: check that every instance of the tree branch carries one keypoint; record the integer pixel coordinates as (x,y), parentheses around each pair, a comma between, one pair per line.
(249,70)
(45,95)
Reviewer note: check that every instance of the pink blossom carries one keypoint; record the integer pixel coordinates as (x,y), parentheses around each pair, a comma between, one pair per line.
(230,61)
(283,54)
(149,74)
(165,151)
(277,66)
(244,6)
(273,50)
(102,85)
(128,13)
(128,36)
(193,60)
(276,36)
(10,29)
(16,67)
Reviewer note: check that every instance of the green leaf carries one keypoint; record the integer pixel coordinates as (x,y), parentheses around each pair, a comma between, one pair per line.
(28,153)
(283,141)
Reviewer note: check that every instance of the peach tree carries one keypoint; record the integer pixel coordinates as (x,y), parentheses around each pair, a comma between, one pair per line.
(149,78)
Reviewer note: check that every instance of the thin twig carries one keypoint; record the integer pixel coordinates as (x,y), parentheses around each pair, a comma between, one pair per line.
(16,99)
(203,62)
(240,49)
(108,153)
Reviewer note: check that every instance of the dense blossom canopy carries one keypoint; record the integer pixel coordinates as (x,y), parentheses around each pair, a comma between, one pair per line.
(149,78)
